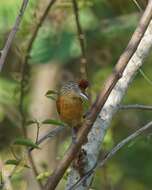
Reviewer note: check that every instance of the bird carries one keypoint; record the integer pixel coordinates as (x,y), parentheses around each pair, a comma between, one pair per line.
(70,105)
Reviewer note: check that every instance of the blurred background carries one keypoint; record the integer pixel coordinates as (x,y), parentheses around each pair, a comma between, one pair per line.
(54,59)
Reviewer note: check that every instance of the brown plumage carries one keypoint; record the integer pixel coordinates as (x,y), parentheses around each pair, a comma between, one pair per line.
(70,104)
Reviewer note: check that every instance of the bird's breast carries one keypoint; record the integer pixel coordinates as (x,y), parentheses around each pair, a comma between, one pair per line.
(70,110)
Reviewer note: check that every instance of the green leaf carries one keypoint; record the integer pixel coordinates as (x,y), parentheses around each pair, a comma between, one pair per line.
(26,166)
(51,97)
(12,162)
(53,122)
(50,94)
(16,163)
(25,142)
(52,45)
(43,175)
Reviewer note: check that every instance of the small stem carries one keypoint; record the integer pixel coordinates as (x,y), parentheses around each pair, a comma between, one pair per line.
(37,134)
(83,61)
(49,135)
(13,153)
(138,6)
(145,76)
(136,106)
(34,169)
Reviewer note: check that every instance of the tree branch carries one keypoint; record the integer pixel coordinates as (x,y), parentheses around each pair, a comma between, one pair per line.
(54,179)
(24,82)
(119,146)
(50,134)
(136,107)
(137,5)
(12,34)
(101,125)
(24,65)
(25,60)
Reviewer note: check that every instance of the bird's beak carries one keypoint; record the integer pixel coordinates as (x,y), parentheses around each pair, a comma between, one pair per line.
(84,96)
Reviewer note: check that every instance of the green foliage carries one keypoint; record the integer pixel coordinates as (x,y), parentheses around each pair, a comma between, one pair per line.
(11,87)
(25,142)
(55,46)
(107,25)
(8,11)
(12,162)
(53,122)
(50,94)
(42,176)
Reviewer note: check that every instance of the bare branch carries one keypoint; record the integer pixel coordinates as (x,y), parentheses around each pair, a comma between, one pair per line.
(54,179)
(24,82)
(12,34)
(125,141)
(138,6)
(25,61)
(49,135)
(136,107)
(119,146)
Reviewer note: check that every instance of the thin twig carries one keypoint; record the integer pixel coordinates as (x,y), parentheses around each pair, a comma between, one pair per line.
(34,168)
(145,76)
(54,179)
(83,61)
(119,146)
(138,6)
(27,56)
(49,135)
(37,133)
(24,82)
(12,34)
(135,106)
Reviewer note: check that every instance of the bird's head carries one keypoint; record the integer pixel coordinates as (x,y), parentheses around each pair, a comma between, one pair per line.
(73,89)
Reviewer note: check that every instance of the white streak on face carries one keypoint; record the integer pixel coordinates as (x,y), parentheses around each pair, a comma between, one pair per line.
(83,96)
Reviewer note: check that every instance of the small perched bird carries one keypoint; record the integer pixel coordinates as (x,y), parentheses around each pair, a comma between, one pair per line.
(70,104)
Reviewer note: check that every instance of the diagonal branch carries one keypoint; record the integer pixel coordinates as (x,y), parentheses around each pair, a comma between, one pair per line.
(137,5)
(24,82)
(12,34)
(24,67)
(102,124)
(119,146)
(54,179)
(135,107)
(50,134)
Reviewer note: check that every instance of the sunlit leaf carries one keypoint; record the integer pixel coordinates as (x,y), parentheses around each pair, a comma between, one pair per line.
(43,175)
(50,94)
(53,122)
(25,142)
